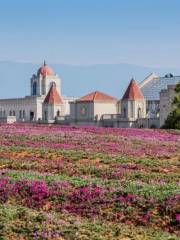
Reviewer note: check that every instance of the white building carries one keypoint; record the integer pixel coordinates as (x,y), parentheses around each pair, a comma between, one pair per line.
(89,109)
(139,107)
(100,109)
(29,108)
(133,103)
(53,106)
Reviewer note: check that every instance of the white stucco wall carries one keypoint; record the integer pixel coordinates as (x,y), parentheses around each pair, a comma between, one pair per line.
(44,84)
(132,107)
(66,101)
(76,111)
(101,108)
(142,105)
(27,104)
(51,111)
(47,81)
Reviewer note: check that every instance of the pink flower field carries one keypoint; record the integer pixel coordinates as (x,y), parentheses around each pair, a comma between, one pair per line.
(62,182)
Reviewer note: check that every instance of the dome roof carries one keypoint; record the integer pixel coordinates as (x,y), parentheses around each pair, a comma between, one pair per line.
(45,70)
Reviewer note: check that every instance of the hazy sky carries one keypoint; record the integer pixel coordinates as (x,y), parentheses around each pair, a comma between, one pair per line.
(142,32)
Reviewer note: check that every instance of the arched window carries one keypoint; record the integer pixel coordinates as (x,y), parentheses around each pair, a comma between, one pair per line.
(124,110)
(24,114)
(34,88)
(31,116)
(20,114)
(139,112)
(131,109)
(45,115)
(58,113)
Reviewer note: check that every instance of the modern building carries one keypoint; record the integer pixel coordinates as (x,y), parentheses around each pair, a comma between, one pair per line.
(151,87)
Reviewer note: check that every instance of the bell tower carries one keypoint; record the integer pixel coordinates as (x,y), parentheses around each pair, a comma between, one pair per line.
(133,104)
(42,81)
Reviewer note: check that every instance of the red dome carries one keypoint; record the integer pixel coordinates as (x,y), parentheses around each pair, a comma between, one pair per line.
(45,70)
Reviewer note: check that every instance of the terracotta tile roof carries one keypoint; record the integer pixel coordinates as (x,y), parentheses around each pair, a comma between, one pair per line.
(133,92)
(45,70)
(96,96)
(53,96)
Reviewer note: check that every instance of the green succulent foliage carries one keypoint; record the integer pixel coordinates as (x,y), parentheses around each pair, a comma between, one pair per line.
(173,119)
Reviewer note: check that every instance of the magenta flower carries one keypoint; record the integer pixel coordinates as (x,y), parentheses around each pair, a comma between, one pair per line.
(178,217)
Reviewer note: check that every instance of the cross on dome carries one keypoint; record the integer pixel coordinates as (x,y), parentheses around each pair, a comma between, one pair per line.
(45,70)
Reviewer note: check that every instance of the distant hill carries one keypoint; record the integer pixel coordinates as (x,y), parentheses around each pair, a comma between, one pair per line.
(76,80)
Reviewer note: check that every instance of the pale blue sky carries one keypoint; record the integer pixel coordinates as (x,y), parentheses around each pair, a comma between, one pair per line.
(141,32)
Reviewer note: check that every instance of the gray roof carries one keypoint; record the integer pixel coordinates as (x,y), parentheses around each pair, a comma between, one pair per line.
(153,84)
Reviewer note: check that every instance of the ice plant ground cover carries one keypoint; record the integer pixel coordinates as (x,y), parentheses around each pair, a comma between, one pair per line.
(88,183)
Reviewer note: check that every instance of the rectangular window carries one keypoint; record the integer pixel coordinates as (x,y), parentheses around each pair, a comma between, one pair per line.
(20,114)
(45,115)
(24,114)
(131,110)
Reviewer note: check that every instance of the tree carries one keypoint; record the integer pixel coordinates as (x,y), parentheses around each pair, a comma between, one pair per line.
(173,119)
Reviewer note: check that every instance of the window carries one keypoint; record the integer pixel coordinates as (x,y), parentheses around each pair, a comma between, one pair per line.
(131,109)
(14,113)
(58,113)
(31,116)
(24,114)
(10,113)
(124,111)
(20,114)
(139,112)
(34,88)
(45,115)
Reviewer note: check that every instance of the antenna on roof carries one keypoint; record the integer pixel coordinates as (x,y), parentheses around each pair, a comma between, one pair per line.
(44,62)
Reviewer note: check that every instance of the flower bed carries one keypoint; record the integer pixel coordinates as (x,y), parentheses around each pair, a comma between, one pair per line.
(74,181)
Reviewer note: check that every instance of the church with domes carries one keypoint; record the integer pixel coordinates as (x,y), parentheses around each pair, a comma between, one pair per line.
(45,102)
(142,105)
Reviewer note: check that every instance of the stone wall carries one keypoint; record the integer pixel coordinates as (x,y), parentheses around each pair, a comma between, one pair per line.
(148,123)
(166,98)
